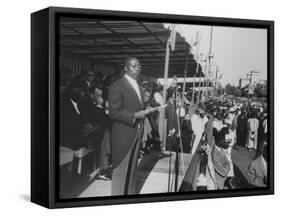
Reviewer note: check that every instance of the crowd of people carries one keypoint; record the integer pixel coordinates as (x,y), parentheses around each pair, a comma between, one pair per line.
(231,125)
(100,112)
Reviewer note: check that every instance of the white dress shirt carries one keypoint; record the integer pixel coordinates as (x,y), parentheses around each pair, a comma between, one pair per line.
(75,106)
(88,83)
(134,84)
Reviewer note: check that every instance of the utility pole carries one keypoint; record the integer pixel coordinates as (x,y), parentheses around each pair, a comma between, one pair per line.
(253,73)
(250,77)
(203,60)
(184,78)
(196,45)
(210,56)
(216,78)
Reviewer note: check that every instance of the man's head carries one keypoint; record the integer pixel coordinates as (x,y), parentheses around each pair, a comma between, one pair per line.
(146,96)
(96,96)
(90,76)
(201,113)
(132,67)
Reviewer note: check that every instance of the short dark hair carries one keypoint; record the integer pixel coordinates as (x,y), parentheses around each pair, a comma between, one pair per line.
(90,71)
(128,59)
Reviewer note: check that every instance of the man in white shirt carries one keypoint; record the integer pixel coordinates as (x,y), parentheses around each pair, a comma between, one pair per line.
(126,105)
(134,84)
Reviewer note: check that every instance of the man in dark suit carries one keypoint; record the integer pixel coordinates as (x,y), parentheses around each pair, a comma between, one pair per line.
(96,125)
(126,111)
(94,119)
(70,120)
(172,125)
(241,132)
(87,84)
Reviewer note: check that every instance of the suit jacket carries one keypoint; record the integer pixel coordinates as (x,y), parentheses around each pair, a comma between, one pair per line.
(242,123)
(70,125)
(171,117)
(85,87)
(123,103)
(96,117)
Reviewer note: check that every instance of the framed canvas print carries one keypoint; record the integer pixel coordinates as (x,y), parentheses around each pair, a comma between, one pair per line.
(138,107)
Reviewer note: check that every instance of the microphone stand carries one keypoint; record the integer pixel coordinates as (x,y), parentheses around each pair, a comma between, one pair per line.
(178,139)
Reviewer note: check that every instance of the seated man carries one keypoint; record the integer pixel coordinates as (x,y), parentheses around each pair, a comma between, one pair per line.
(70,120)
(96,125)
(87,83)
(70,134)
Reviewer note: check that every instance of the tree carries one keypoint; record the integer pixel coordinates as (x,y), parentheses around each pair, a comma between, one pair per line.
(260,90)
(232,90)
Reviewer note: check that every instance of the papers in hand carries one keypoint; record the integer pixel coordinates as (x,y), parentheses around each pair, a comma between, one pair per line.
(151,110)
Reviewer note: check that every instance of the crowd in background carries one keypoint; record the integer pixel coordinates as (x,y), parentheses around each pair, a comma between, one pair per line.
(233,125)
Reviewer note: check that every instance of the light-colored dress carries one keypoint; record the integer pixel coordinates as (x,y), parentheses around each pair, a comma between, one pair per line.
(198,126)
(252,139)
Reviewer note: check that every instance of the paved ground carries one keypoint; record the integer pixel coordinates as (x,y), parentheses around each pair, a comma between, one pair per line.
(153,175)
(242,158)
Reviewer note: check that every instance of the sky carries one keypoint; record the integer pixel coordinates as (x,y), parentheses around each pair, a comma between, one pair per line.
(237,51)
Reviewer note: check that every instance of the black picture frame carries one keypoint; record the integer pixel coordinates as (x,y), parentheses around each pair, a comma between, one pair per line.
(44,109)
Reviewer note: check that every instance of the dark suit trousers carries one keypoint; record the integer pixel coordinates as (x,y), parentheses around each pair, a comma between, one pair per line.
(124,175)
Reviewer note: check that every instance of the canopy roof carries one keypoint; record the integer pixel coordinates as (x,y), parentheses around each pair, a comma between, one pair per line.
(111,41)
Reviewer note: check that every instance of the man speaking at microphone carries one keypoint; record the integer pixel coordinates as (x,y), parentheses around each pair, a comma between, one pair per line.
(126,111)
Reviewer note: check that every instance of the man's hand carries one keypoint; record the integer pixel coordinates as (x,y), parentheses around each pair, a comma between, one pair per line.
(141,114)
(88,129)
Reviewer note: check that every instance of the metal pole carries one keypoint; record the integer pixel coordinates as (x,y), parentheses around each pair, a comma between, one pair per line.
(162,113)
(210,53)
(199,89)
(193,87)
(250,82)
(166,72)
(206,86)
(197,65)
(216,80)
(184,79)
(205,71)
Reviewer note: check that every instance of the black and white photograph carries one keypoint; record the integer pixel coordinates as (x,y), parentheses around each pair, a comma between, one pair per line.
(157,107)
(140,107)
